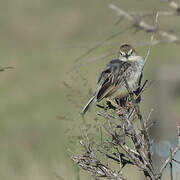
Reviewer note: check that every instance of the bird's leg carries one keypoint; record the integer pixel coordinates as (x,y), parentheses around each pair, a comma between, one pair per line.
(138,93)
(130,102)
(112,102)
(115,104)
(110,106)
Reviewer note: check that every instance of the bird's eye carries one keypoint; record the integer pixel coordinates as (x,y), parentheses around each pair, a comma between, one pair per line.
(122,53)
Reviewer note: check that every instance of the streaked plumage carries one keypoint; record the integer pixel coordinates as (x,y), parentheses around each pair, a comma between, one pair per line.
(111,82)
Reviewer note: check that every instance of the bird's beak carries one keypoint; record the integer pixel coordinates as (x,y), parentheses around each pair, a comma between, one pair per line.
(127,56)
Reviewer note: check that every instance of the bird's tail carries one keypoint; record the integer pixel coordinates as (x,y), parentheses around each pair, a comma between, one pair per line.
(86,107)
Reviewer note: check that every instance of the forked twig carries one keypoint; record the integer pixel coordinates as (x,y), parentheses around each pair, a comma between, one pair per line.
(169,159)
(172,154)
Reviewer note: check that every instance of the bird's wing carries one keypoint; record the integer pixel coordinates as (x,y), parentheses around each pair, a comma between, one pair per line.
(111,77)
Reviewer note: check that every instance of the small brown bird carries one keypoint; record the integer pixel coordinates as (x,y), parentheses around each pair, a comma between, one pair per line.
(111,84)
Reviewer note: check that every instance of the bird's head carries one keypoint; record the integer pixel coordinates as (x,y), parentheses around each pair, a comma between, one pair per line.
(126,52)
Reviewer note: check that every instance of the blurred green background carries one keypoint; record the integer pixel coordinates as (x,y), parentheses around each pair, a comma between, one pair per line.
(41,39)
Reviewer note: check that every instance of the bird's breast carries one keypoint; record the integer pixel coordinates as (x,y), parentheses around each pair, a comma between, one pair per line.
(132,81)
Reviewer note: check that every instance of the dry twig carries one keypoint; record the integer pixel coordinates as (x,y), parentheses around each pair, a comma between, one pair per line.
(142,25)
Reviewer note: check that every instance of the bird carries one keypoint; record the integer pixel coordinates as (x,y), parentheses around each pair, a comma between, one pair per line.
(111,82)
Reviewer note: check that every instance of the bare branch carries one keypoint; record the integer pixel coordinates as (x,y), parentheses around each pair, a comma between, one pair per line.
(165,36)
(143,128)
(169,159)
(149,115)
(5,68)
(173,152)
(170,163)
(176,161)
(178,134)
(152,38)
(161,13)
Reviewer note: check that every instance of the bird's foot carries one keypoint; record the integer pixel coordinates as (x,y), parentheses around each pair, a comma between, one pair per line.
(110,106)
(130,104)
(119,110)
